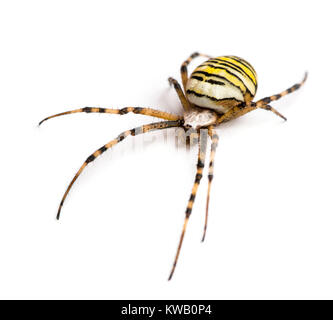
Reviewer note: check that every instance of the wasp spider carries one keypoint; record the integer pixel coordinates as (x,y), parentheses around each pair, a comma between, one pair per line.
(218,90)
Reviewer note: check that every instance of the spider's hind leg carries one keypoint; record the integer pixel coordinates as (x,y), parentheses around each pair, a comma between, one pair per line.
(183,68)
(241,110)
(186,105)
(270,108)
(268,100)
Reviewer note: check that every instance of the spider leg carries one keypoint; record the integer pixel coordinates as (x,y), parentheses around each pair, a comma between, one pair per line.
(215,139)
(122,136)
(186,105)
(183,68)
(240,110)
(268,100)
(236,112)
(200,165)
(243,108)
(143,111)
(270,108)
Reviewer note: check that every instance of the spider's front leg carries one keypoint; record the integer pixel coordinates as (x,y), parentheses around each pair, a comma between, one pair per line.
(121,137)
(215,139)
(144,111)
(200,165)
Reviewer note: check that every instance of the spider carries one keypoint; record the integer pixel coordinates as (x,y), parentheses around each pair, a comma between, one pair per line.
(219,90)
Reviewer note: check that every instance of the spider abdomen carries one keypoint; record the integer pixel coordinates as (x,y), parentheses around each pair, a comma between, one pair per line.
(222,83)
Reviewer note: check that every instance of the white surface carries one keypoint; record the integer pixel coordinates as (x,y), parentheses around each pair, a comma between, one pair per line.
(271,219)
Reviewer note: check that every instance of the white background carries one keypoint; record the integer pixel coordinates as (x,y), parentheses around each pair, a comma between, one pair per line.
(270,233)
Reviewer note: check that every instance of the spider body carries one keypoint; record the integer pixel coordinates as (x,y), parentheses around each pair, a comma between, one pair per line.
(199,118)
(222,83)
(219,90)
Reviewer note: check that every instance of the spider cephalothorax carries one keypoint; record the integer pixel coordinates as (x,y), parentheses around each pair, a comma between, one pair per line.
(218,90)
(199,118)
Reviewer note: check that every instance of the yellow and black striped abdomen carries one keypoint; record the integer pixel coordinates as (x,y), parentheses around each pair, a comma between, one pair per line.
(221,83)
